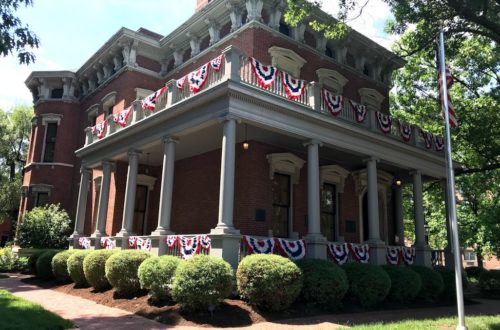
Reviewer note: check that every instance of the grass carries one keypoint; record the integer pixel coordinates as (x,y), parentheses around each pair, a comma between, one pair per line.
(449,323)
(17,313)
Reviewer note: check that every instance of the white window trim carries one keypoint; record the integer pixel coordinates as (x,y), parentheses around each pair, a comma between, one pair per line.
(92,111)
(286,163)
(108,101)
(336,175)
(141,93)
(331,80)
(371,98)
(287,60)
(46,119)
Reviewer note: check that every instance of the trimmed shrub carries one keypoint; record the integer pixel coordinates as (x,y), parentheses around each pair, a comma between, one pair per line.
(75,268)
(9,262)
(489,283)
(94,268)
(405,284)
(432,283)
(44,264)
(325,283)
(269,281)
(202,282)
(368,284)
(156,275)
(449,292)
(44,227)
(121,271)
(32,259)
(474,272)
(60,266)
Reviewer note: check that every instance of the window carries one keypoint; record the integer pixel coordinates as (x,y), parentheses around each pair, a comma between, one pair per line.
(57,93)
(328,211)
(141,203)
(469,256)
(41,198)
(50,142)
(281,205)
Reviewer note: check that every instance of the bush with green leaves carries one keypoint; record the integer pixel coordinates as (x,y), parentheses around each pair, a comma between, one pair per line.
(474,272)
(202,282)
(32,259)
(75,267)
(325,283)
(432,283)
(44,227)
(94,268)
(121,271)
(269,281)
(449,292)
(405,284)
(489,283)
(60,266)
(44,264)
(156,275)
(369,284)
(9,262)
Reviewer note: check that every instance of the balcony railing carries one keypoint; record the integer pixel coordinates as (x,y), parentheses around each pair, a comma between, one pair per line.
(238,68)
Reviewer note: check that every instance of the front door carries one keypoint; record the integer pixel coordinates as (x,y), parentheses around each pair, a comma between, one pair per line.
(140,210)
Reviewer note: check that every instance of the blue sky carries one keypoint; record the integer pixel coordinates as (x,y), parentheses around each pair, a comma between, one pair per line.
(71,31)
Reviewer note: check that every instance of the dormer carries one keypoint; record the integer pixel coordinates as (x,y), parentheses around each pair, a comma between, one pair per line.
(331,80)
(371,98)
(287,60)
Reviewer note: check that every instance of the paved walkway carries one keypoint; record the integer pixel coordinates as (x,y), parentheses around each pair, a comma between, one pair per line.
(86,314)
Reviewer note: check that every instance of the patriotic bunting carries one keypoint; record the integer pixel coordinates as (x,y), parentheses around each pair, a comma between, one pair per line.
(408,254)
(149,102)
(197,78)
(189,246)
(171,241)
(439,142)
(108,243)
(265,74)
(216,63)
(100,129)
(359,111)
(339,252)
(434,257)
(122,117)
(84,243)
(393,255)
(294,250)
(404,130)
(361,252)
(180,82)
(294,88)
(132,242)
(259,245)
(333,102)
(384,122)
(143,244)
(205,242)
(428,138)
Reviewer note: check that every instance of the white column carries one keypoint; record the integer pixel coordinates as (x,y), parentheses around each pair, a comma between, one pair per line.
(102,211)
(313,202)
(82,201)
(400,228)
(167,185)
(372,191)
(418,209)
(226,194)
(130,189)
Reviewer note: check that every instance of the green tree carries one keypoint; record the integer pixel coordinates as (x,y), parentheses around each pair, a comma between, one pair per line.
(14,35)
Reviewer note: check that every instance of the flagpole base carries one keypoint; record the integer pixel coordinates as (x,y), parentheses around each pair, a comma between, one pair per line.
(461,327)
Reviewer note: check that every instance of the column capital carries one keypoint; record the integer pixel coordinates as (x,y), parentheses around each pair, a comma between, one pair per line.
(108,162)
(416,172)
(311,142)
(134,152)
(170,139)
(370,159)
(229,117)
(84,169)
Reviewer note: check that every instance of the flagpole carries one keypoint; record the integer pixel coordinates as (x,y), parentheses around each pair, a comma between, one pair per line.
(450,178)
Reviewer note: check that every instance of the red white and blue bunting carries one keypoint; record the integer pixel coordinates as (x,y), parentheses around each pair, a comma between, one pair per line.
(404,130)
(256,245)
(180,82)
(171,241)
(434,257)
(294,88)
(393,255)
(108,243)
(294,250)
(439,142)
(384,122)
(339,252)
(428,138)
(149,102)
(189,246)
(216,63)
(408,254)
(100,129)
(333,102)
(84,243)
(361,252)
(205,242)
(197,78)
(139,243)
(265,74)
(132,242)
(122,117)
(359,111)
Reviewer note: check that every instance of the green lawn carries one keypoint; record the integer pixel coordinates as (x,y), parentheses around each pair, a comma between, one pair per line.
(17,313)
(472,322)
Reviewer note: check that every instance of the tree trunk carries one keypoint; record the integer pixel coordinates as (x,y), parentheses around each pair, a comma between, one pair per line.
(479,256)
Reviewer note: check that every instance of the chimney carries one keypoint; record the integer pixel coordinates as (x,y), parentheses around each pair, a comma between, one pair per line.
(200,4)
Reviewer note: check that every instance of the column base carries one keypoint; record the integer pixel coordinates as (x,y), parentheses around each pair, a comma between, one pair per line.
(423,256)
(316,246)
(224,230)
(378,252)
(162,232)
(97,234)
(227,247)
(73,241)
(123,233)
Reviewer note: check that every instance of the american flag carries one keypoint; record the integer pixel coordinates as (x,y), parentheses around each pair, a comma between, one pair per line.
(449,82)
